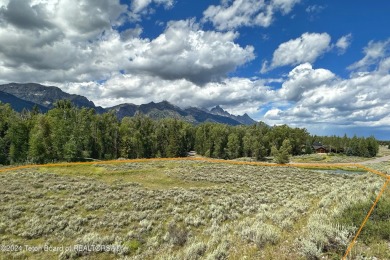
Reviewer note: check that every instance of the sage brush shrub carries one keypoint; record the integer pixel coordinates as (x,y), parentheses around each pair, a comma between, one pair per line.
(195,251)
(177,235)
(323,235)
(259,233)
(179,209)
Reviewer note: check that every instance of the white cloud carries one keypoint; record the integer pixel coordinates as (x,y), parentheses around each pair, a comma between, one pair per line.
(314,11)
(318,97)
(74,45)
(185,51)
(238,13)
(84,19)
(343,43)
(303,78)
(307,48)
(384,65)
(373,53)
(238,95)
(74,41)
(274,114)
(284,5)
(314,8)
(138,6)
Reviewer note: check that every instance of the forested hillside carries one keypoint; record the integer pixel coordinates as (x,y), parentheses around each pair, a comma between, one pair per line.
(68,133)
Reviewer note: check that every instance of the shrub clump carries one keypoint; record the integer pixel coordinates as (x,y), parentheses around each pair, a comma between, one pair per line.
(177,235)
(378,226)
(260,233)
(322,235)
(195,251)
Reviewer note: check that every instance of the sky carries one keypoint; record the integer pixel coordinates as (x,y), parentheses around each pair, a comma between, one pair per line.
(319,64)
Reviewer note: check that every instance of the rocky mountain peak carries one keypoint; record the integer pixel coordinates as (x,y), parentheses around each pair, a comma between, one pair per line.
(218,110)
(25,96)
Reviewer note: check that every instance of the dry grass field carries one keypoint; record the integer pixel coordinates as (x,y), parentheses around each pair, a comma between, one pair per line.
(181,210)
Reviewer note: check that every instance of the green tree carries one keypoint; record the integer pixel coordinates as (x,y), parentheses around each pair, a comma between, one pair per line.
(6,114)
(353,148)
(259,150)
(308,148)
(233,146)
(127,140)
(40,145)
(143,137)
(72,151)
(363,148)
(247,142)
(219,138)
(108,136)
(282,155)
(372,146)
(62,122)
(174,146)
(18,135)
(204,144)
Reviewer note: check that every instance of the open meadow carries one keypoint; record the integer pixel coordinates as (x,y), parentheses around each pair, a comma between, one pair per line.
(184,209)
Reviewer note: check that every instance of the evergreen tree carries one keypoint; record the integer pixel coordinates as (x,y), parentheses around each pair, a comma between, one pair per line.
(173,148)
(161,132)
(282,155)
(247,144)
(108,136)
(372,146)
(61,120)
(144,137)
(259,150)
(233,146)
(40,145)
(219,137)
(353,146)
(362,148)
(72,150)
(18,136)
(127,142)
(69,133)
(308,148)
(6,114)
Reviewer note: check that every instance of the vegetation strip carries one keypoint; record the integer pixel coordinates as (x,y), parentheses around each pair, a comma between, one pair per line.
(318,165)
(365,220)
(300,165)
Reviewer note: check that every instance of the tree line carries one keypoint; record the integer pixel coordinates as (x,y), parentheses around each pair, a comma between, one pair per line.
(355,146)
(68,133)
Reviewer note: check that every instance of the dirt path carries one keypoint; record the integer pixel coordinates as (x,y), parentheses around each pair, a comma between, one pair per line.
(377,160)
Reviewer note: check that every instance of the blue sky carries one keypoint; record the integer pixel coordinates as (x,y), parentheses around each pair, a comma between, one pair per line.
(323,65)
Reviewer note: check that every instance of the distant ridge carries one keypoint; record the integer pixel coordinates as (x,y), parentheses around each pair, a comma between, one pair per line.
(18,104)
(244,119)
(194,115)
(46,96)
(26,96)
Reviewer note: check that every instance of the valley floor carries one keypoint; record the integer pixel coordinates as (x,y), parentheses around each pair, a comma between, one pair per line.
(182,209)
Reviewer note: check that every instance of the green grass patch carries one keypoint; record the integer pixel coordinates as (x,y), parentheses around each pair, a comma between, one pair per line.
(330,167)
(377,227)
(150,177)
(132,245)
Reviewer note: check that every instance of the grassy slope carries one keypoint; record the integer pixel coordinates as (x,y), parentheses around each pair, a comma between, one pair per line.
(179,209)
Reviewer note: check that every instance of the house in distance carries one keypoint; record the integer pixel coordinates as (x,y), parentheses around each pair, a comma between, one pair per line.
(320,148)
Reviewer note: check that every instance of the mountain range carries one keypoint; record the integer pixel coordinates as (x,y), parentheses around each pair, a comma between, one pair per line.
(26,96)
